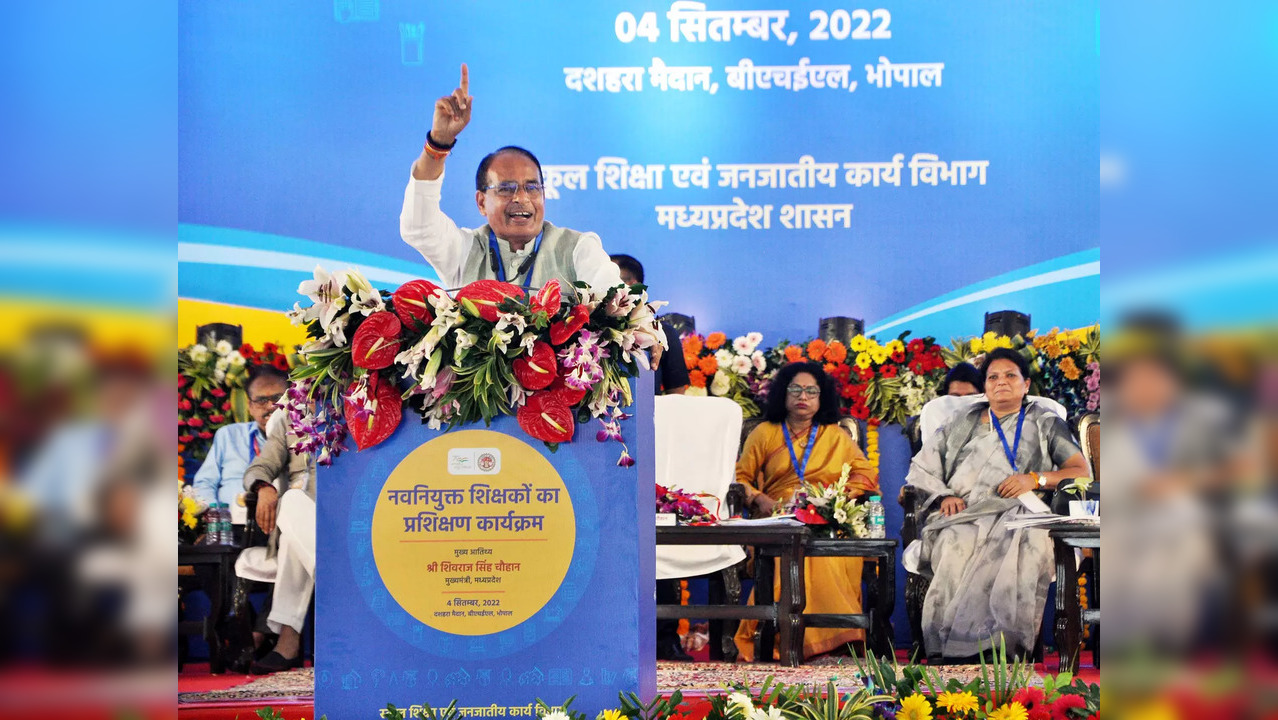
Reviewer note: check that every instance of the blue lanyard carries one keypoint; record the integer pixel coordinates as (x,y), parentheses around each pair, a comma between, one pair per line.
(1016,445)
(1155,439)
(500,267)
(807,454)
(252,434)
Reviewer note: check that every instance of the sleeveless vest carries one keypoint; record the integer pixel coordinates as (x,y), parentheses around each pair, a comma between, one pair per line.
(554,259)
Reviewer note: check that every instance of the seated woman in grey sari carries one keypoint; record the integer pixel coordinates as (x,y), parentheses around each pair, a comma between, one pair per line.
(989,581)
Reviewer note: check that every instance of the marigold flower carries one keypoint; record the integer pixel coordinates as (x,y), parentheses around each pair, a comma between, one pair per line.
(1069,369)
(715,340)
(915,707)
(794,353)
(692,344)
(836,352)
(816,349)
(696,378)
(956,703)
(708,365)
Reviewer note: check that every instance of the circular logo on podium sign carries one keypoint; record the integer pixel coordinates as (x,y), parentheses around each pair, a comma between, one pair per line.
(473,532)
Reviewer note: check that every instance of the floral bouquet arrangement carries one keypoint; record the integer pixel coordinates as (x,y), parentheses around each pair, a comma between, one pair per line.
(211,385)
(888,382)
(687,508)
(832,510)
(189,511)
(490,350)
(1064,365)
(738,370)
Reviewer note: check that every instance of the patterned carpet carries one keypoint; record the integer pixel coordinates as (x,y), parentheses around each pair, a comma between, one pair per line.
(693,678)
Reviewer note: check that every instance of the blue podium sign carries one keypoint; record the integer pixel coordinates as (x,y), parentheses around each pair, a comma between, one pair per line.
(476,565)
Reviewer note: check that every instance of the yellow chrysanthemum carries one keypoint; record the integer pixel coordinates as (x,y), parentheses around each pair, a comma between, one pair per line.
(956,703)
(915,707)
(863,360)
(858,343)
(1004,342)
(611,715)
(989,338)
(895,346)
(1010,711)
(879,355)
(976,345)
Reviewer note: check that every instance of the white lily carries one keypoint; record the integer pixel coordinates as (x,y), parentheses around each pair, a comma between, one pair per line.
(365,299)
(326,292)
(620,304)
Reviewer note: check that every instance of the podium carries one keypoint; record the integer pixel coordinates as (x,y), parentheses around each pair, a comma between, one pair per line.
(479,566)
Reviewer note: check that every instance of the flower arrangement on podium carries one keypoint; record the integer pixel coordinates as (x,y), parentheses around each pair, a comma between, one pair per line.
(686,507)
(489,350)
(739,370)
(831,510)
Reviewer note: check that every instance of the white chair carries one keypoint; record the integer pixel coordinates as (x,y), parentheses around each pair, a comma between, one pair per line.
(696,451)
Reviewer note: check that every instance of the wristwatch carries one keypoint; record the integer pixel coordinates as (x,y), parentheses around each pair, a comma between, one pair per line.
(1042,481)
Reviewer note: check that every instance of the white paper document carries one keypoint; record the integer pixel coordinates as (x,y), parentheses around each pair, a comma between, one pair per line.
(773,520)
(1033,503)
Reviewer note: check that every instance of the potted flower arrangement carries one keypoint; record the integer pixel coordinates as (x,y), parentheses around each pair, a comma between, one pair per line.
(739,370)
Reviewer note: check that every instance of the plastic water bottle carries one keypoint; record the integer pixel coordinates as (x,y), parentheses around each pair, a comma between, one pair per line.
(212,523)
(225,535)
(875,517)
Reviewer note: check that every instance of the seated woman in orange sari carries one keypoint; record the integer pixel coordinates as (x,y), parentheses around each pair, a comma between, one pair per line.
(801,440)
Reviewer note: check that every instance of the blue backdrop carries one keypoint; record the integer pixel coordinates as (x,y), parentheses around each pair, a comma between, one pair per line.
(299,121)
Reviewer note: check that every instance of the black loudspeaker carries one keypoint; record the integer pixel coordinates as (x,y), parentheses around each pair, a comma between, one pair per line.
(213,332)
(842,329)
(681,324)
(1007,322)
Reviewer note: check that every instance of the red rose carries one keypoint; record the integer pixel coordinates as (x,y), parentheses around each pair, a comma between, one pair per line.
(888,371)
(205,435)
(808,516)
(412,303)
(218,393)
(216,419)
(538,369)
(185,437)
(195,423)
(226,406)
(562,331)
(206,405)
(547,417)
(547,298)
(181,422)
(184,405)
(485,295)
(181,381)
(376,342)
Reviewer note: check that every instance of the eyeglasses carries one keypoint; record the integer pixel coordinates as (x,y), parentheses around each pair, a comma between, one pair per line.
(264,400)
(510,189)
(809,390)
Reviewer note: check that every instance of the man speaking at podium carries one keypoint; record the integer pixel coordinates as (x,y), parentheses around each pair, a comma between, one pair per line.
(516,245)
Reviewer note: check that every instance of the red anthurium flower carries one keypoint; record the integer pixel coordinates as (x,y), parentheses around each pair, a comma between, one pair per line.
(217,392)
(547,417)
(547,298)
(560,332)
(538,369)
(486,295)
(411,303)
(376,342)
(381,423)
(809,516)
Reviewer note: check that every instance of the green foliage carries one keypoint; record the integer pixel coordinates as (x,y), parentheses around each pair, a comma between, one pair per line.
(657,709)
(830,705)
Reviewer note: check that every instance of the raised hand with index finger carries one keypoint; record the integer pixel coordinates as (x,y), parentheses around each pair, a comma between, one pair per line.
(452,112)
